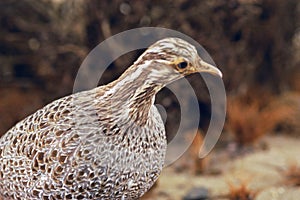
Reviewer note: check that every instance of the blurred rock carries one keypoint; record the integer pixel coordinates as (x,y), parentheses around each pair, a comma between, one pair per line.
(199,193)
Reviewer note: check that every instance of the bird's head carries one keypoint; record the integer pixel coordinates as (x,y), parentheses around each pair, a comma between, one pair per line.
(174,58)
(163,62)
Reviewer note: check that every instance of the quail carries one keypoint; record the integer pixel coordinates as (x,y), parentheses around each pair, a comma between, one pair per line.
(104,143)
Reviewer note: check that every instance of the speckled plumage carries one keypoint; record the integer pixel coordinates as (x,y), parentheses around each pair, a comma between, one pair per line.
(105,143)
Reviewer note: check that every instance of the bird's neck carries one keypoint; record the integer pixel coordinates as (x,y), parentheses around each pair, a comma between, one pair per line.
(134,92)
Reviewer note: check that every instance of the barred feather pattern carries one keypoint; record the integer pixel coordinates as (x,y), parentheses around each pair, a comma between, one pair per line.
(68,151)
(104,143)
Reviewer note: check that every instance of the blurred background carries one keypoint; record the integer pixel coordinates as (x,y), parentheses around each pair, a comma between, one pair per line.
(255,43)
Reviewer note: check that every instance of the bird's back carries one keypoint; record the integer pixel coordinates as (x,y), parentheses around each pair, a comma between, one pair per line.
(76,148)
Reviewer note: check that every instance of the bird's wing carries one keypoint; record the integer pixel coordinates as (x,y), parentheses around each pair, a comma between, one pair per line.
(45,139)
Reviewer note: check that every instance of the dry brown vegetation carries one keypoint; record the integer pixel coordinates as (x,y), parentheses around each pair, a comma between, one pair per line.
(190,160)
(292,175)
(252,116)
(240,192)
(198,165)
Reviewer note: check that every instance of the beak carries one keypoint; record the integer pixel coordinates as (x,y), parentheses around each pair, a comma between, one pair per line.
(206,67)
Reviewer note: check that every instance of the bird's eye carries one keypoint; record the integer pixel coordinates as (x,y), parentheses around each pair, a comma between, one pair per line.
(182,65)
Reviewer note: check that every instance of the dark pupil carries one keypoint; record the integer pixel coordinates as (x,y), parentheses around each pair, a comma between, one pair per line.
(182,65)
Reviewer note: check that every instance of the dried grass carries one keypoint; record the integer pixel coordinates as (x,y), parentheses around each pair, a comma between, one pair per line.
(199,165)
(190,160)
(252,117)
(240,192)
(292,175)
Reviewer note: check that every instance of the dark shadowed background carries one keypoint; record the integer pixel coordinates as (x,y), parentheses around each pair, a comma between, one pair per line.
(256,44)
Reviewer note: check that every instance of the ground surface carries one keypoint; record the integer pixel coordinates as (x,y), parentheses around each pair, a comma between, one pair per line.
(262,171)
